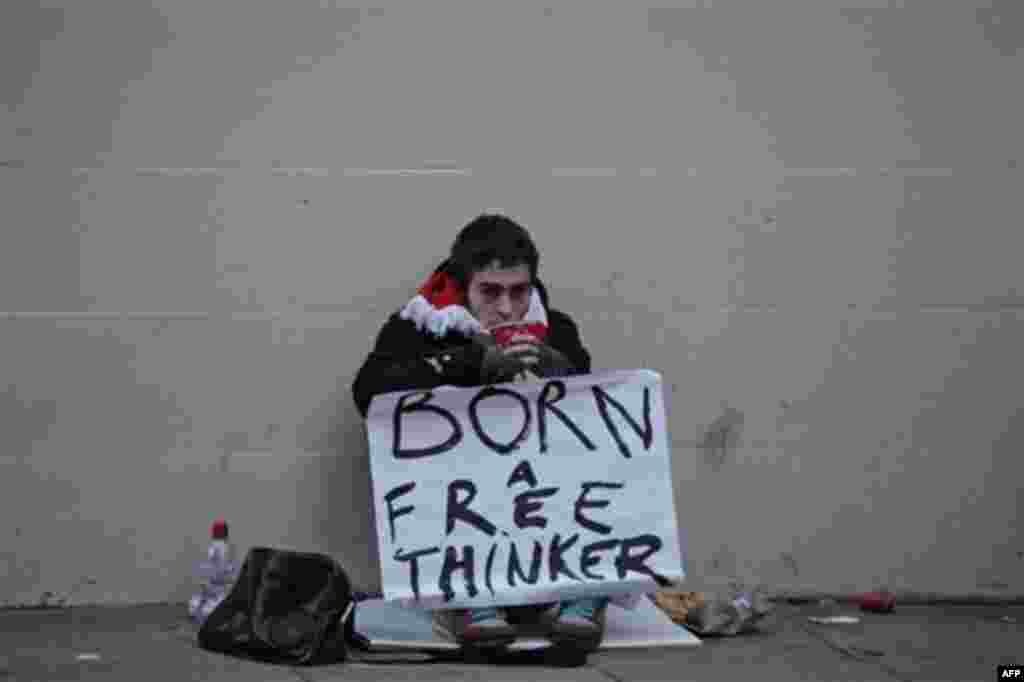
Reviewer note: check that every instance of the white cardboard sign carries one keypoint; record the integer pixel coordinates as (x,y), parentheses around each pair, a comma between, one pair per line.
(523,493)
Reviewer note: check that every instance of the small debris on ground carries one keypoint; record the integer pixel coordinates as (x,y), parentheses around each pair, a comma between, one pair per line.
(727,614)
(881,601)
(834,620)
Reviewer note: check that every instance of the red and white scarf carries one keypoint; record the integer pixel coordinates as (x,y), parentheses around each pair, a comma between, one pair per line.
(440,307)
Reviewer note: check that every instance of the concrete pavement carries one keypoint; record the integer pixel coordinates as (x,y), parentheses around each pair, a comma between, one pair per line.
(155,643)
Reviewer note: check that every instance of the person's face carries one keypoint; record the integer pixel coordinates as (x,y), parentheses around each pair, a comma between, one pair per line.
(497,295)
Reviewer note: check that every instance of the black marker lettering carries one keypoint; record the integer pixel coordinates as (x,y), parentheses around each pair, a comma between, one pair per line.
(587,559)
(626,561)
(414,566)
(517,569)
(452,563)
(525,505)
(460,509)
(395,513)
(556,563)
(402,408)
(522,472)
(646,434)
(474,419)
(544,405)
(490,565)
(582,503)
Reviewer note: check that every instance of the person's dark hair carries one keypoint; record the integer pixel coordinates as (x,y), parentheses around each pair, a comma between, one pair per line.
(487,238)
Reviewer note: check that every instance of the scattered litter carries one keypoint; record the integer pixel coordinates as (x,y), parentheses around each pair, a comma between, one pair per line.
(677,604)
(723,614)
(834,620)
(216,575)
(877,602)
(867,651)
(87,657)
(841,643)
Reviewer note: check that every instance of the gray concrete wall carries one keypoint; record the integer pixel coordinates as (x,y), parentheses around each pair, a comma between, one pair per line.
(805,215)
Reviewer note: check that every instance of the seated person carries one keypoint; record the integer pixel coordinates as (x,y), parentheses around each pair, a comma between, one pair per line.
(440,338)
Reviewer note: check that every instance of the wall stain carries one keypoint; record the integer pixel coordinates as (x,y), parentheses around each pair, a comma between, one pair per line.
(784,416)
(324,429)
(234,440)
(46,600)
(229,443)
(722,435)
(724,562)
(997,585)
(33,420)
(1000,21)
(874,465)
(610,282)
(791,564)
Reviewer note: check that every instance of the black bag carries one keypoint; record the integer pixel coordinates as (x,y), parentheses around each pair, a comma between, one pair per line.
(288,607)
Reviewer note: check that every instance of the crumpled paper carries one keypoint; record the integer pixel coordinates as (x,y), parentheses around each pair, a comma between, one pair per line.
(728,614)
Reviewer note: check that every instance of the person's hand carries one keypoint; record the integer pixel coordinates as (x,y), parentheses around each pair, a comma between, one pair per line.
(540,360)
(521,357)
(497,365)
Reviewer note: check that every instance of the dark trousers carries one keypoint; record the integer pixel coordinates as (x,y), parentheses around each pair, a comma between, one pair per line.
(525,614)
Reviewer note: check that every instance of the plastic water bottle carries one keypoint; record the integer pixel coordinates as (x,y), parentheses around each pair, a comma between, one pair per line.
(216,574)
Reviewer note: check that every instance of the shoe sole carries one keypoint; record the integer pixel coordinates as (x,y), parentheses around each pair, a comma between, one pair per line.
(487,644)
(495,642)
(575,646)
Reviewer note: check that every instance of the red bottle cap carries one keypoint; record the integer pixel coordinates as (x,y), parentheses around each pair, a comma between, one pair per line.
(879,602)
(219,530)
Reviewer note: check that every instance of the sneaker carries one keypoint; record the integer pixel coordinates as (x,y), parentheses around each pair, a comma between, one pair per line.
(474,627)
(580,624)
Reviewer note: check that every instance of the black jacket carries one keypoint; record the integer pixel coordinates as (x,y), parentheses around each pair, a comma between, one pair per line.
(404,358)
